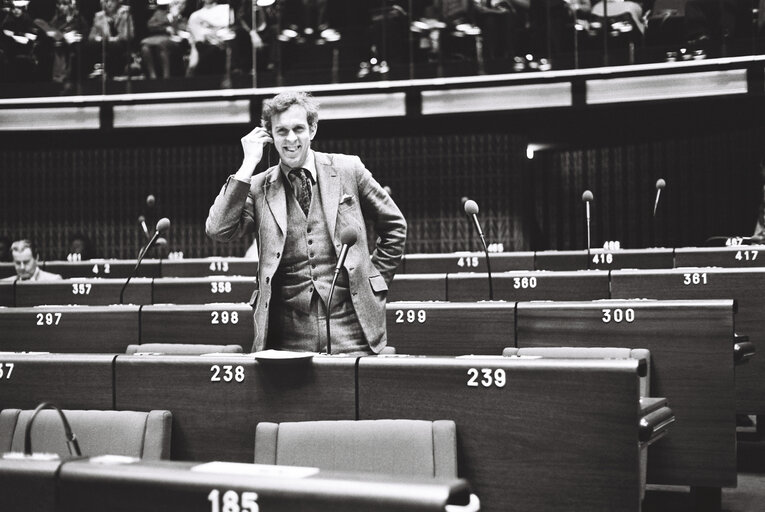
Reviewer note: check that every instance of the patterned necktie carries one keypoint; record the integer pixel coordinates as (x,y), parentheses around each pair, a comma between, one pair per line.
(302,187)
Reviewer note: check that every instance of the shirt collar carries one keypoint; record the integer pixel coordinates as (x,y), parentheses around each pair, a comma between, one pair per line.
(309,165)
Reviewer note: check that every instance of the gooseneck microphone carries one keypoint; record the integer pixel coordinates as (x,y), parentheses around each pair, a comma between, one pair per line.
(71,439)
(660,184)
(347,238)
(162,226)
(142,222)
(587,198)
(471,210)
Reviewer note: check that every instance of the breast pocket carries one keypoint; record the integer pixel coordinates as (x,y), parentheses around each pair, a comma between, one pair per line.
(378,284)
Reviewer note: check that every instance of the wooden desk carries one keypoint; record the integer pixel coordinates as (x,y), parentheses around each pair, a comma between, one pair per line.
(7,294)
(417,287)
(84,329)
(203,290)
(560,260)
(28,485)
(81,381)
(691,344)
(112,268)
(533,434)
(218,400)
(451,328)
(7,269)
(601,259)
(85,291)
(200,267)
(467,262)
(176,486)
(746,286)
(532,285)
(743,256)
(203,323)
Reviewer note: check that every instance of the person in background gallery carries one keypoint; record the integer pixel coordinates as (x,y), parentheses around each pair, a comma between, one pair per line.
(65,31)
(110,37)
(210,32)
(302,211)
(163,50)
(26,261)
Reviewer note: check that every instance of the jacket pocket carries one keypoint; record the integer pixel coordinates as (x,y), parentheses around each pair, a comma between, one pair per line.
(378,284)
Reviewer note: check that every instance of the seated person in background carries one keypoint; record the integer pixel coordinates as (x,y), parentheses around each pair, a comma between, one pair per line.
(619,7)
(65,30)
(209,28)
(26,260)
(168,40)
(80,248)
(19,36)
(112,27)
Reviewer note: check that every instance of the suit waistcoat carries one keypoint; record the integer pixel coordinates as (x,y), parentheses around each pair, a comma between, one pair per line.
(309,259)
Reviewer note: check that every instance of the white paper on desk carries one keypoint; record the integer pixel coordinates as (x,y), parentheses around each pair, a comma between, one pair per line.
(240,468)
(114,459)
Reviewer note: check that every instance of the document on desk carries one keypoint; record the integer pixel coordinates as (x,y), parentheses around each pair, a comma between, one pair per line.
(264,470)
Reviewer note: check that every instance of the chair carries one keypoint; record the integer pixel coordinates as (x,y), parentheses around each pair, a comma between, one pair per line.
(400,447)
(130,433)
(641,354)
(181,348)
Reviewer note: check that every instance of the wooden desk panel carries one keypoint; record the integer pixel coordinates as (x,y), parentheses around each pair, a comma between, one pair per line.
(746,286)
(7,269)
(601,259)
(29,485)
(526,286)
(467,262)
(201,267)
(115,269)
(560,260)
(746,256)
(691,344)
(558,436)
(79,329)
(203,290)
(417,287)
(89,292)
(449,328)
(174,487)
(7,293)
(82,381)
(216,419)
(204,323)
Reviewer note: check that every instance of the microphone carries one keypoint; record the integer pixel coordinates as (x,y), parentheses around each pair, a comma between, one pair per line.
(660,184)
(347,238)
(71,440)
(471,210)
(162,226)
(142,222)
(587,197)
(150,200)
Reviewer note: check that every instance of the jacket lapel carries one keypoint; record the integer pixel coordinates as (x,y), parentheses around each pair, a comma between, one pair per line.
(276,197)
(330,188)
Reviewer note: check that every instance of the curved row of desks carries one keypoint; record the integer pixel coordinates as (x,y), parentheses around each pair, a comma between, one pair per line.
(740,256)
(692,344)
(533,434)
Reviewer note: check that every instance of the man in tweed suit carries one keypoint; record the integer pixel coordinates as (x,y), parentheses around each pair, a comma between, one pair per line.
(297,209)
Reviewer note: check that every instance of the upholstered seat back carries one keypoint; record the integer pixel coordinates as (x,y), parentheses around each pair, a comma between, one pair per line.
(400,447)
(182,348)
(640,354)
(136,434)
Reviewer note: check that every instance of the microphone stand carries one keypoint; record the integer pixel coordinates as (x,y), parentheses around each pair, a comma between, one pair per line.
(138,264)
(486,251)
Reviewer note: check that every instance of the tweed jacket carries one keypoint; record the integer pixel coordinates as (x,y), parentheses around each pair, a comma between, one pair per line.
(349,197)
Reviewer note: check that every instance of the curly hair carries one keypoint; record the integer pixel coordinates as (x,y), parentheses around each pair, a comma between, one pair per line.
(285,100)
